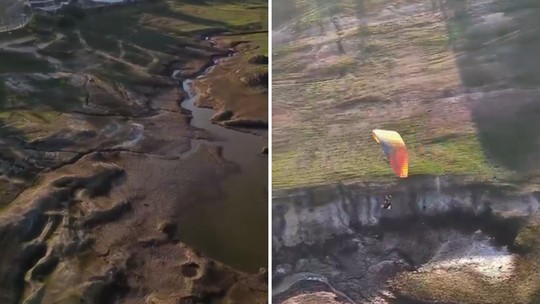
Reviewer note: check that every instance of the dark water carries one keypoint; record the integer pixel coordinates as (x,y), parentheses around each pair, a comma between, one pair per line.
(234,229)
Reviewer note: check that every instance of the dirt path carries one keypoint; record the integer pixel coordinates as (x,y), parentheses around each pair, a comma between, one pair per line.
(107,55)
(57,37)
(155,59)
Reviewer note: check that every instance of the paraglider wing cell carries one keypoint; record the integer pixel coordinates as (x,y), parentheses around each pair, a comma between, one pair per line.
(395,149)
(387,149)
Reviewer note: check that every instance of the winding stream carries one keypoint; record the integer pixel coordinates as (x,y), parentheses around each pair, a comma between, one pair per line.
(232,230)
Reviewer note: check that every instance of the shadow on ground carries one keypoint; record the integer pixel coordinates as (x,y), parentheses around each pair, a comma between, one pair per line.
(498,56)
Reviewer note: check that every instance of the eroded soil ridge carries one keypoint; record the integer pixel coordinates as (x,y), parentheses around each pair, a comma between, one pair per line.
(97,168)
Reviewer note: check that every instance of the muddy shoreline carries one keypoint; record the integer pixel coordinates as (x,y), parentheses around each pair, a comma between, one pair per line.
(248,169)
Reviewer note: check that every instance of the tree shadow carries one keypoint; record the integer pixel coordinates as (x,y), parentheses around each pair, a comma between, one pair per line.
(363,30)
(497,50)
(16,62)
(283,11)
(18,166)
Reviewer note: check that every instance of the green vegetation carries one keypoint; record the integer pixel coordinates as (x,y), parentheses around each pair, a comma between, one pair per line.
(102,42)
(329,160)
(28,116)
(258,46)
(401,72)
(261,40)
(136,56)
(155,29)
(158,24)
(9,36)
(57,94)
(31,124)
(13,62)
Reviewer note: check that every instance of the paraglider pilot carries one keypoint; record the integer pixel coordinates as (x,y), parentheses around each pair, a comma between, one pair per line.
(387,204)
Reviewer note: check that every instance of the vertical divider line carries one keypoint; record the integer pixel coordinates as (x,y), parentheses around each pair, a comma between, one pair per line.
(270,151)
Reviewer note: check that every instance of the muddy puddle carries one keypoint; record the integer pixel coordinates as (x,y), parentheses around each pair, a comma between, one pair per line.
(231,230)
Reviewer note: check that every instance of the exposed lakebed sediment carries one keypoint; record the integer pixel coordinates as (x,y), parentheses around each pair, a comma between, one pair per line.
(339,240)
(245,191)
(115,193)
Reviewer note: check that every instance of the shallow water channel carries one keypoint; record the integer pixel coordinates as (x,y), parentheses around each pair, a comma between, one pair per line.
(234,229)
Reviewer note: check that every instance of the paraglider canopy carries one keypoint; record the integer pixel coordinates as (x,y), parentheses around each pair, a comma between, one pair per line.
(395,150)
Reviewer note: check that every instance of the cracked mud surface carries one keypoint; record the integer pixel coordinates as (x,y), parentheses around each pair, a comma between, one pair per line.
(103,198)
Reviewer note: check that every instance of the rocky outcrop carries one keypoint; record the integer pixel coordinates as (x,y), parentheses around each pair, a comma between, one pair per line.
(341,235)
(318,214)
(256,79)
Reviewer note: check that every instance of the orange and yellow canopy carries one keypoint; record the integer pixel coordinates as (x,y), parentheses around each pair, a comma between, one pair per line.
(395,150)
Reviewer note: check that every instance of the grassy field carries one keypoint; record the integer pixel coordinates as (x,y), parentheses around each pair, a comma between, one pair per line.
(435,72)
(156,25)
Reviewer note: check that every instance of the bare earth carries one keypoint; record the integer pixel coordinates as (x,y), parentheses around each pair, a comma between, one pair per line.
(98,174)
